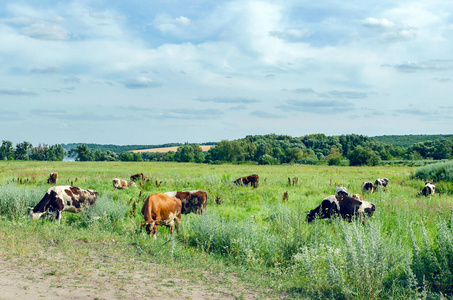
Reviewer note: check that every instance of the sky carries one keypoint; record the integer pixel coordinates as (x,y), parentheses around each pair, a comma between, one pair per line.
(175,71)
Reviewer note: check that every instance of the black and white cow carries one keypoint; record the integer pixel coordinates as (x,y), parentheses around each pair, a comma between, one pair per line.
(367,187)
(341,192)
(429,189)
(346,207)
(381,183)
(63,198)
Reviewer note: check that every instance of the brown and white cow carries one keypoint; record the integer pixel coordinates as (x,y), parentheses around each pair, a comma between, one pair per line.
(253,180)
(367,187)
(52,178)
(192,201)
(122,184)
(63,198)
(346,207)
(138,176)
(161,209)
(429,189)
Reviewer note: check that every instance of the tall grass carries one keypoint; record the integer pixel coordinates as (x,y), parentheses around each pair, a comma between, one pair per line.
(404,251)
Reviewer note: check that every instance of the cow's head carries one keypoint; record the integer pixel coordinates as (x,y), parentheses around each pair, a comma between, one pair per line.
(34,215)
(367,208)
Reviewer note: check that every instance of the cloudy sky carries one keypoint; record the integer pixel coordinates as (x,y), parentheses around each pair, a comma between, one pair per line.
(162,71)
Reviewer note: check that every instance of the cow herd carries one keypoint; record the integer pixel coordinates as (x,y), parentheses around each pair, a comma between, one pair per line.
(165,209)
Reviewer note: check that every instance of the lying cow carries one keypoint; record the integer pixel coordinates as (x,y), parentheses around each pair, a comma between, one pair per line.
(253,180)
(161,209)
(367,187)
(346,207)
(122,184)
(381,183)
(429,189)
(192,201)
(52,178)
(63,198)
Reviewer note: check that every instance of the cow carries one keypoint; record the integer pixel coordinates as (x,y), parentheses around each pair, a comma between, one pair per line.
(192,201)
(381,183)
(122,184)
(138,176)
(346,207)
(161,209)
(52,178)
(341,192)
(253,180)
(367,187)
(63,198)
(357,196)
(429,189)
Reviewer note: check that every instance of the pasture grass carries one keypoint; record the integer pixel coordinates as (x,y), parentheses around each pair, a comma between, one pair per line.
(404,251)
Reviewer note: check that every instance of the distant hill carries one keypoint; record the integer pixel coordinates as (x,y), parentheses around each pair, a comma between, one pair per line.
(408,140)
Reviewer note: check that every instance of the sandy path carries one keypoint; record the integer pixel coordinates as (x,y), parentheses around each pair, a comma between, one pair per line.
(37,281)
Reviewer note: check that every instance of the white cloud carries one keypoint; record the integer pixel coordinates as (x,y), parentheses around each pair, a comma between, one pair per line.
(378,23)
(45,31)
(167,24)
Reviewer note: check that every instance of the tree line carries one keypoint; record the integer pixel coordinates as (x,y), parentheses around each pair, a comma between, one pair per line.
(343,150)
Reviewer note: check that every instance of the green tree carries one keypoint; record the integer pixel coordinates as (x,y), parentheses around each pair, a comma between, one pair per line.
(7,150)
(22,149)
(83,153)
(363,156)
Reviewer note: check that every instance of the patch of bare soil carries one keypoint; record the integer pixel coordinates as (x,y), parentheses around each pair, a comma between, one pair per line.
(24,279)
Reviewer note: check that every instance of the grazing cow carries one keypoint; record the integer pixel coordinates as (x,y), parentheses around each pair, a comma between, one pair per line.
(192,201)
(138,176)
(429,189)
(52,178)
(381,183)
(346,207)
(161,209)
(341,192)
(367,187)
(122,184)
(253,180)
(63,198)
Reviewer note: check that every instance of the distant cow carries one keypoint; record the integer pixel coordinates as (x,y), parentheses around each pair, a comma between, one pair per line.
(346,207)
(357,196)
(381,183)
(192,201)
(63,198)
(122,184)
(52,178)
(161,209)
(429,189)
(367,187)
(253,180)
(341,192)
(138,176)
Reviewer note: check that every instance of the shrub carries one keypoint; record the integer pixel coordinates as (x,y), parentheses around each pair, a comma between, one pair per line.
(15,200)
(436,172)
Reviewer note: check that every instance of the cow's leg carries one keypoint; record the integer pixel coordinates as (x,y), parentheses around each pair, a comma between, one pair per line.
(155,231)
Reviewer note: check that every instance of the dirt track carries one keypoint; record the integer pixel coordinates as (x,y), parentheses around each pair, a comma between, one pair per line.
(35,281)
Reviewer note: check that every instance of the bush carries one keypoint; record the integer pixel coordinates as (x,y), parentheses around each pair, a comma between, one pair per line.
(436,172)
(15,200)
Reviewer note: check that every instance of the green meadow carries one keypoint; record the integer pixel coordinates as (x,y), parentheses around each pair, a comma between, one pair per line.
(405,250)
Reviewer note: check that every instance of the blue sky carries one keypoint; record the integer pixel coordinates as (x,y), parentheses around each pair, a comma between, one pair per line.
(162,71)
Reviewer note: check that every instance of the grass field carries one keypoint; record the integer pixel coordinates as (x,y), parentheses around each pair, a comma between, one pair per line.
(260,246)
